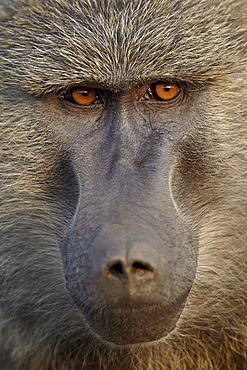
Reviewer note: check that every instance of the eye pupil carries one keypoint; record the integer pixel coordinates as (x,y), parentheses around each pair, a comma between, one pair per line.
(167,88)
(84,92)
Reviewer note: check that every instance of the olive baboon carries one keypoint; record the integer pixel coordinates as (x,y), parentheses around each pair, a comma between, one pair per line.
(123,184)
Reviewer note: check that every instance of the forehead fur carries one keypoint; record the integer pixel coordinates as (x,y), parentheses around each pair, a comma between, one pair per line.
(48,44)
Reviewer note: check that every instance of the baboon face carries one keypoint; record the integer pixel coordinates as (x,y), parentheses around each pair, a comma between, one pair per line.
(129,257)
(115,114)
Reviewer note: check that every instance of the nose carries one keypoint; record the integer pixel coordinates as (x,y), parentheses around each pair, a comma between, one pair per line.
(122,269)
(127,272)
(126,264)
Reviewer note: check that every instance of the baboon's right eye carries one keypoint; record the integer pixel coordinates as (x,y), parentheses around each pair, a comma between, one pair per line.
(82,95)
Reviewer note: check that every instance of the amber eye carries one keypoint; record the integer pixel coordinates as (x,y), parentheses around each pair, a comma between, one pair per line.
(162,91)
(166,91)
(82,95)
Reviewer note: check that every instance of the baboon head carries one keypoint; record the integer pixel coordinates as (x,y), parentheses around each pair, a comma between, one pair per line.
(116,106)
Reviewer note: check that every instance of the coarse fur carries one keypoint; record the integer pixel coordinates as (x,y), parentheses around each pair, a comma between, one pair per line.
(47,46)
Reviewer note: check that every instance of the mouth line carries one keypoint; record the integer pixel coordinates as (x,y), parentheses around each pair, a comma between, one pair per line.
(123,346)
(137,307)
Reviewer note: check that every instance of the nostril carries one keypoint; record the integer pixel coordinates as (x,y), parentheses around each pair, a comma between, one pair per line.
(116,269)
(139,266)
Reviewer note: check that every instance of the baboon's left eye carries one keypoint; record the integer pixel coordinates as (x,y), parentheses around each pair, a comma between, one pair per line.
(82,95)
(162,91)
